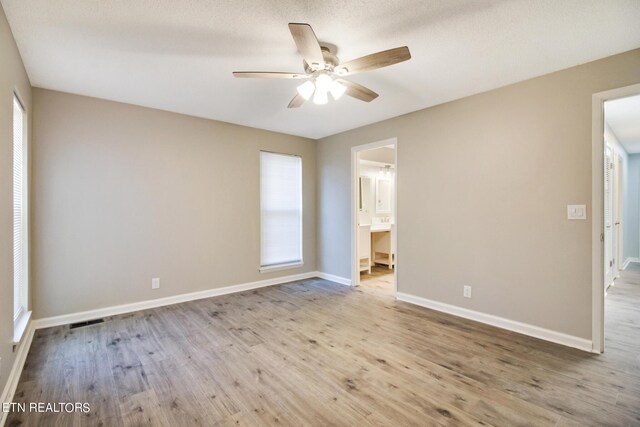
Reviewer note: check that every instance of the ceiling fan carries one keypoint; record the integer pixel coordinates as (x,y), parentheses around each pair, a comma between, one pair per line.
(325,72)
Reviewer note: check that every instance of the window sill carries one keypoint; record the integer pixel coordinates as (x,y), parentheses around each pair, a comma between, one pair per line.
(20,326)
(281,267)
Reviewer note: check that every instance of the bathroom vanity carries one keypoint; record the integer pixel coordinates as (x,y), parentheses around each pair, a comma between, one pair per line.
(375,221)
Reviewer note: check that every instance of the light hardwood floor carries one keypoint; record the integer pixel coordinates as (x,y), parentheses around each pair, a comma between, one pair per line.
(379,282)
(318,353)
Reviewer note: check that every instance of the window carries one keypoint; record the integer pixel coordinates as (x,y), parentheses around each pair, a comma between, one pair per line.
(20,223)
(280,211)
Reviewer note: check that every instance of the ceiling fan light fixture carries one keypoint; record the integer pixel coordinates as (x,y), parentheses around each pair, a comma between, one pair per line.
(306,90)
(323,83)
(321,66)
(320,97)
(337,89)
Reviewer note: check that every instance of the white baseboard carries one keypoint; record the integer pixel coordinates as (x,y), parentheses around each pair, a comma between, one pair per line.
(159,302)
(16,370)
(333,278)
(501,322)
(629,261)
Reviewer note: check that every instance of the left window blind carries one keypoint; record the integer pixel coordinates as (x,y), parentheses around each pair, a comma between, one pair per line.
(20,274)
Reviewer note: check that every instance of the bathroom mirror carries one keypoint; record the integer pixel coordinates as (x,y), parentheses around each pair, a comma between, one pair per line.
(383,195)
(364,193)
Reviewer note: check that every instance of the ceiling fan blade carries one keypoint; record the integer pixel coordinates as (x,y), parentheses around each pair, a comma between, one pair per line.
(269,75)
(358,91)
(296,102)
(374,61)
(307,43)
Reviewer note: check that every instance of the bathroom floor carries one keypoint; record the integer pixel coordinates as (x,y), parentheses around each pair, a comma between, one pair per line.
(379,282)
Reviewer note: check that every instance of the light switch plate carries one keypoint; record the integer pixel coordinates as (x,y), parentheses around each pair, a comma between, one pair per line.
(576,211)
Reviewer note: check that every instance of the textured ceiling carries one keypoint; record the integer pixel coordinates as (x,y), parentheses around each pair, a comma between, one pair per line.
(178,55)
(623,117)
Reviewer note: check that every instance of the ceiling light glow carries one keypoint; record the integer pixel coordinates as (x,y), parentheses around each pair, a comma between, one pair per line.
(323,83)
(337,89)
(306,89)
(320,97)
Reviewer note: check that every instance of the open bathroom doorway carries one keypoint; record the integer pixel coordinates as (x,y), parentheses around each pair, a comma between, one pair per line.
(374,224)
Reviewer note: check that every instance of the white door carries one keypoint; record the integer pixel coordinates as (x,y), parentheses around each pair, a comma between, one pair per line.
(608,217)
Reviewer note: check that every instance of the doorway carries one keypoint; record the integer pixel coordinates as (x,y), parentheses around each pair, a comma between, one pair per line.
(614,240)
(374,255)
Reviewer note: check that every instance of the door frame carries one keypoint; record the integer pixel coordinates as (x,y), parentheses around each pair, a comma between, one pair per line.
(355,173)
(597,208)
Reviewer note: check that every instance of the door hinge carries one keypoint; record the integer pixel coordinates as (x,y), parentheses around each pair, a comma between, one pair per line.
(602,237)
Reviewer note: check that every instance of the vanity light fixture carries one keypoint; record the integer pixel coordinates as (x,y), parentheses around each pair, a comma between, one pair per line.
(386,170)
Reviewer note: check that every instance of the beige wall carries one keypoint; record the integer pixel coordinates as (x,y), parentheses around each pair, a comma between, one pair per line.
(12,78)
(123,194)
(483,184)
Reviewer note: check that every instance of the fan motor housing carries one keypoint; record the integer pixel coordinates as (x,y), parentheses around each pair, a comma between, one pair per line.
(330,61)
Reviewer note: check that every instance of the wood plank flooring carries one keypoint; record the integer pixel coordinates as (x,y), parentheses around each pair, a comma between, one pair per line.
(379,282)
(317,353)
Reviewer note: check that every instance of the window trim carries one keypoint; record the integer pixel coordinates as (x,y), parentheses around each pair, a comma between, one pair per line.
(276,267)
(289,264)
(20,325)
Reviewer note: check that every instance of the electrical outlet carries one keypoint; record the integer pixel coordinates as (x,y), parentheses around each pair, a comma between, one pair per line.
(155,283)
(466,291)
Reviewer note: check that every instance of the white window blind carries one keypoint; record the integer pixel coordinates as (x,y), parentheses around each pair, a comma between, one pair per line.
(280,209)
(19,212)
